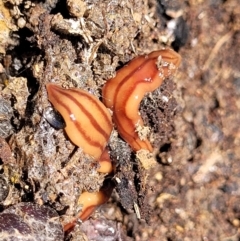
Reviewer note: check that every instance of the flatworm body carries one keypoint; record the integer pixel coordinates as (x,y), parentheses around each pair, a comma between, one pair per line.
(123,93)
(90,202)
(88,121)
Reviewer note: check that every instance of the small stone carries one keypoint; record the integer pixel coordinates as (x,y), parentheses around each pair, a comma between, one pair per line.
(76,8)
(21,22)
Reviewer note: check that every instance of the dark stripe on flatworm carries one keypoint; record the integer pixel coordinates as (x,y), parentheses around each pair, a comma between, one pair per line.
(109,122)
(128,93)
(77,123)
(86,112)
(126,78)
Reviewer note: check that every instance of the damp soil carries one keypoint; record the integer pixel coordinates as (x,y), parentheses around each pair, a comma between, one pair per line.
(189,189)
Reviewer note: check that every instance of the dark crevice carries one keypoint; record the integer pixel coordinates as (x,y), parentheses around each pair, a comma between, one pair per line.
(60,7)
(199,142)
(165,148)
(181,34)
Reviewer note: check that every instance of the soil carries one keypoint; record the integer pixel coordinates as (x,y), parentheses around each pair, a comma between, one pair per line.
(189,188)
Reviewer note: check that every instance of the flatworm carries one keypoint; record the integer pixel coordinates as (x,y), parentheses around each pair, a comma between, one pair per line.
(88,121)
(123,93)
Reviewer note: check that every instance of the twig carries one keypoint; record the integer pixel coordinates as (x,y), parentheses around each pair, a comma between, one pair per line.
(216,48)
